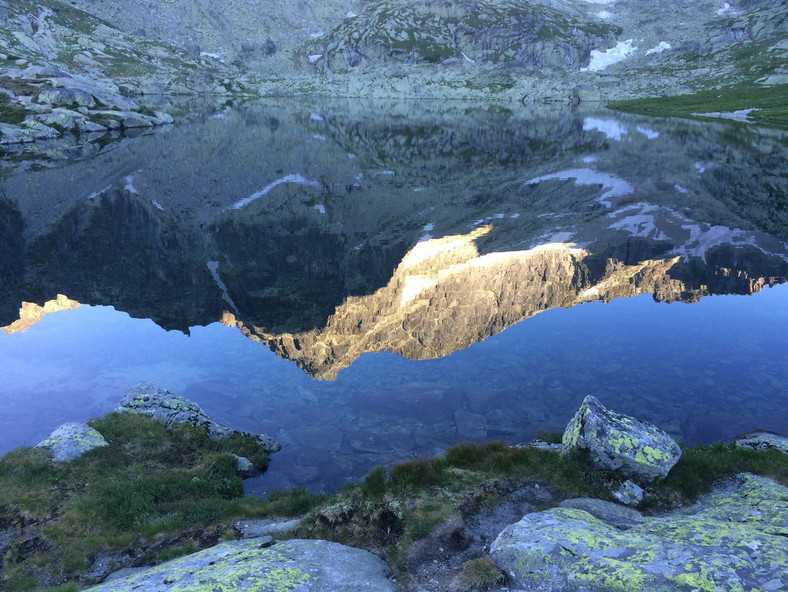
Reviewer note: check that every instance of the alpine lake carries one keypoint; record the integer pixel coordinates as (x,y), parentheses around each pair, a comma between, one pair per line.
(361,280)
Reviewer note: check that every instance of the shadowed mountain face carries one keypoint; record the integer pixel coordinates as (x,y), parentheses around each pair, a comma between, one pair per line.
(330,230)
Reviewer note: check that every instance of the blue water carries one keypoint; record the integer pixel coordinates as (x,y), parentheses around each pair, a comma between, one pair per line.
(704,371)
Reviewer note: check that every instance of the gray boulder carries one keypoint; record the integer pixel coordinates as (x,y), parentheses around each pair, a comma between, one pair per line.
(160,403)
(72,440)
(733,540)
(629,493)
(66,97)
(762,441)
(633,448)
(296,565)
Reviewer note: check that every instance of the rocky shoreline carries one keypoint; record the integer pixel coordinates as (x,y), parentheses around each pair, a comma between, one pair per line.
(497,535)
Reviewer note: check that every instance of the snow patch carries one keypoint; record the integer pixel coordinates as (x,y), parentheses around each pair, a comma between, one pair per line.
(315,117)
(156,203)
(600,60)
(681,189)
(740,115)
(286,179)
(589,159)
(659,48)
(610,127)
(613,186)
(318,137)
(314,58)
(467,59)
(320,208)
(605,15)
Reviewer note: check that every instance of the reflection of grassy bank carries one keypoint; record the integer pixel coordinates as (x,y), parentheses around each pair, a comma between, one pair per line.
(770,102)
(154,494)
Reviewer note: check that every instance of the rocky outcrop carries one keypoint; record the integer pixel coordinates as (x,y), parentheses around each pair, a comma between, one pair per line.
(295,565)
(621,443)
(160,403)
(733,540)
(72,440)
(762,441)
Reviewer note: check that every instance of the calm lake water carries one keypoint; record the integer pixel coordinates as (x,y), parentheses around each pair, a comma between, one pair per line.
(375,282)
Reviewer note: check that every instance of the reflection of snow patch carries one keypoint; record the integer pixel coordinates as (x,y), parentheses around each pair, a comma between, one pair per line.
(605,15)
(590,293)
(320,208)
(351,156)
(681,189)
(590,159)
(693,239)
(614,186)
(387,173)
(417,189)
(659,48)
(600,60)
(157,204)
(648,132)
(130,186)
(428,228)
(318,137)
(728,9)
(287,179)
(213,267)
(97,193)
(315,117)
(610,127)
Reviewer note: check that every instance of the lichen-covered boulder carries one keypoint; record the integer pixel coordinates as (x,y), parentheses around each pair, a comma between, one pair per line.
(734,540)
(72,440)
(160,403)
(292,566)
(634,448)
(762,441)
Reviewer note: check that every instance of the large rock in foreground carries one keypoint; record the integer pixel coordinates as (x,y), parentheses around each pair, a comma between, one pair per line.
(160,403)
(618,442)
(72,440)
(292,566)
(737,540)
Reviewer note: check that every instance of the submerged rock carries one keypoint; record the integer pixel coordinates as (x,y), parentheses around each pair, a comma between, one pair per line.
(296,565)
(72,440)
(618,442)
(160,403)
(735,539)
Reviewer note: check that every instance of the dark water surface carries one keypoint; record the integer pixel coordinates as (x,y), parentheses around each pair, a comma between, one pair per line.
(362,280)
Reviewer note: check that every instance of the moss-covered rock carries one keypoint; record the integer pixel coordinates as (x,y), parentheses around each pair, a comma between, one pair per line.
(621,443)
(297,565)
(734,540)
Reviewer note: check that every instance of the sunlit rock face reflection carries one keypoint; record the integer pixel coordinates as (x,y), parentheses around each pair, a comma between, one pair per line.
(30,313)
(445,296)
(331,230)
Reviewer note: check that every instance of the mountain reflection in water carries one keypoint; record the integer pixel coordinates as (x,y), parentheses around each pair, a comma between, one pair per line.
(330,231)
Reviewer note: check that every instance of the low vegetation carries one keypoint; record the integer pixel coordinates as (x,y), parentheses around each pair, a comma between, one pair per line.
(158,493)
(769,103)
